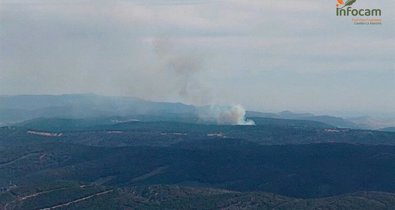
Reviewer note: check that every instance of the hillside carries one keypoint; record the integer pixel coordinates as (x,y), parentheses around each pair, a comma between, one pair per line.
(15,109)
(77,196)
(389,129)
(171,162)
(314,170)
(128,132)
(26,107)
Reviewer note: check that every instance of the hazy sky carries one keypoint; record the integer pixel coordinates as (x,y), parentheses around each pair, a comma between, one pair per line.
(267,55)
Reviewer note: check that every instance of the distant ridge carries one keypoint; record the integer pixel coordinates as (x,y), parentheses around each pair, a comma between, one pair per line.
(389,129)
(26,107)
(20,108)
(330,120)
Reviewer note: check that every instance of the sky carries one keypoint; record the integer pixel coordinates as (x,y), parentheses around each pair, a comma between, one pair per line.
(265,55)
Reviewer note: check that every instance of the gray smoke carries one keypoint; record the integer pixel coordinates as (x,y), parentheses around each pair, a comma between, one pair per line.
(225,115)
(184,69)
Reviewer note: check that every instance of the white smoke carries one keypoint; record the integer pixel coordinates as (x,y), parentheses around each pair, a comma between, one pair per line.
(184,68)
(225,115)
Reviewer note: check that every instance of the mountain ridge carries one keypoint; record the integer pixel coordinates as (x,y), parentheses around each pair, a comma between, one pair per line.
(27,107)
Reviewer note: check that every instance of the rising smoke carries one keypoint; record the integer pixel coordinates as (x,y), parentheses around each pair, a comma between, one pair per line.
(184,68)
(225,115)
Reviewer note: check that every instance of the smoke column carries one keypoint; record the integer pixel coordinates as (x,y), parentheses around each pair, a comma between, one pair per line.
(183,68)
(225,115)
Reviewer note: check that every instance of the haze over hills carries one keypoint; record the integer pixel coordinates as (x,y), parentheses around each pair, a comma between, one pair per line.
(25,107)
(98,152)
(20,108)
(390,129)
(331,120)
(197,104)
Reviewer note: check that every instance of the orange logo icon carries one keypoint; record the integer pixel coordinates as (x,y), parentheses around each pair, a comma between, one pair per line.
(341,3)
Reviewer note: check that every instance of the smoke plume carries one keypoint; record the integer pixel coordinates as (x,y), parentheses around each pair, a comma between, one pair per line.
(184,69)
(225,115)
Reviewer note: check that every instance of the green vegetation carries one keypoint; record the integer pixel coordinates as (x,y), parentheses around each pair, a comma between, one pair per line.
(73,196)
(314,170)
(277,164)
